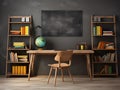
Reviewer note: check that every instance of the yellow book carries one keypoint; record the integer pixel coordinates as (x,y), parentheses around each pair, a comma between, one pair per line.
(13,69)
(98,30)
(22,29)
(24,69)
(18,70)
(26,30)
(18,44)
(23,56)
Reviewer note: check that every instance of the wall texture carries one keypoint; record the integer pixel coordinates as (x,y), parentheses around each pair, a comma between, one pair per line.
(34,7)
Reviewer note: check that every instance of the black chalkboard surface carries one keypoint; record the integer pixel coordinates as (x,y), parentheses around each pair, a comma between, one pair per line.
(61,23)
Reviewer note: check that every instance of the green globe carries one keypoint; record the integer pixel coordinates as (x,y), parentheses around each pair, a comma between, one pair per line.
(40,42)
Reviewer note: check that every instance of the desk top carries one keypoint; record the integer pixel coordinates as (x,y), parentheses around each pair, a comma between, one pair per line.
(55,51)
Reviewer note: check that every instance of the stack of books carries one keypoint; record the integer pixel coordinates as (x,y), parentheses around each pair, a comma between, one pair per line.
(24,30)
(105,45)
(107,33)
(97,30)
(19,45)
(23,58)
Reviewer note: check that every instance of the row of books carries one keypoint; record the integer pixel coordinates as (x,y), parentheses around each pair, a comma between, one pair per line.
(109,57)
(19,70)
(106,69)
(24,30)
(105,45)
(98,31)
(18,58)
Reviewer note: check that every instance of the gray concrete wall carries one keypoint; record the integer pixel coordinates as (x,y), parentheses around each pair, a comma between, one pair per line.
(34,7)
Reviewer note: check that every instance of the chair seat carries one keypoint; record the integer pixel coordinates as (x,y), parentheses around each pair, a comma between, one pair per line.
(57,65)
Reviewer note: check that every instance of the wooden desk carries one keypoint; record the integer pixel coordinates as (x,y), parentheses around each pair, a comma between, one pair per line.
(53,52)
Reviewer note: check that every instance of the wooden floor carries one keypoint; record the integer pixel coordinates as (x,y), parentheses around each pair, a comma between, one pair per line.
(40,83)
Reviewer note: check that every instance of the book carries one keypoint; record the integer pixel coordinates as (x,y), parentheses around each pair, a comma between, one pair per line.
(15,56)
(12,59)
(22,29)
(98,30)
(23,60)
(18,44)
(112,57)
(110,70)
(106,69)
(24,69)
(23,56)
(26,30)
(13,69)
(107,33)
(19,70)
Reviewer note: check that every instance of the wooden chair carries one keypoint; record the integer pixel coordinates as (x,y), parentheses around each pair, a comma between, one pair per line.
(63,59)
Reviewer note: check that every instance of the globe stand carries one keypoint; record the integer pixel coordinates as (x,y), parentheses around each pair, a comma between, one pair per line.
(40,48)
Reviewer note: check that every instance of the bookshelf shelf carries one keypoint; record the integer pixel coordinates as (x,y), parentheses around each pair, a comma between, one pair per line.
(10,74)
(18,42)
(104,35)
(114,74)
(19,35)
(19,22)
(104,62)
(17,49)
(103,40)
(104,49)
(16,62)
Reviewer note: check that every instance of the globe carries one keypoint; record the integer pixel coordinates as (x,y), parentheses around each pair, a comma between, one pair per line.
(40,42)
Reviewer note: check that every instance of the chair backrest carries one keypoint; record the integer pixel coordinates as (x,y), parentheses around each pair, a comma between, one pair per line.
(64,56)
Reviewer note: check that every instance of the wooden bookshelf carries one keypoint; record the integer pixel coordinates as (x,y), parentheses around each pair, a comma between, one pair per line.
(18,42)
(103,40)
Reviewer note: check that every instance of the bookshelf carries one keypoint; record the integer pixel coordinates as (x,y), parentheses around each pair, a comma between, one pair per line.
(18,42)
(103,40)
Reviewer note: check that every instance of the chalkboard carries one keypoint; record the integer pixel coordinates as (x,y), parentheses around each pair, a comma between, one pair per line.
(61,23)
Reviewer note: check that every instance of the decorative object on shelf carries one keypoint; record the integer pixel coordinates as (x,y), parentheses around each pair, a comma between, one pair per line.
(82,46)
(40,41)
(23,19)
(27,19)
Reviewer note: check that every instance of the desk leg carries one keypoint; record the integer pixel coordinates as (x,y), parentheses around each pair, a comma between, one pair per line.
(89,66)
(30,65)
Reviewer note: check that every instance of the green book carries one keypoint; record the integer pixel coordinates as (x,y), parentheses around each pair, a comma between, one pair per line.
(110,70)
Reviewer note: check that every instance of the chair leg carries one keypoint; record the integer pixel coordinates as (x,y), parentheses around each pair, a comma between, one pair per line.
(62,75)
(49,74)
(55,75)
(70,75)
